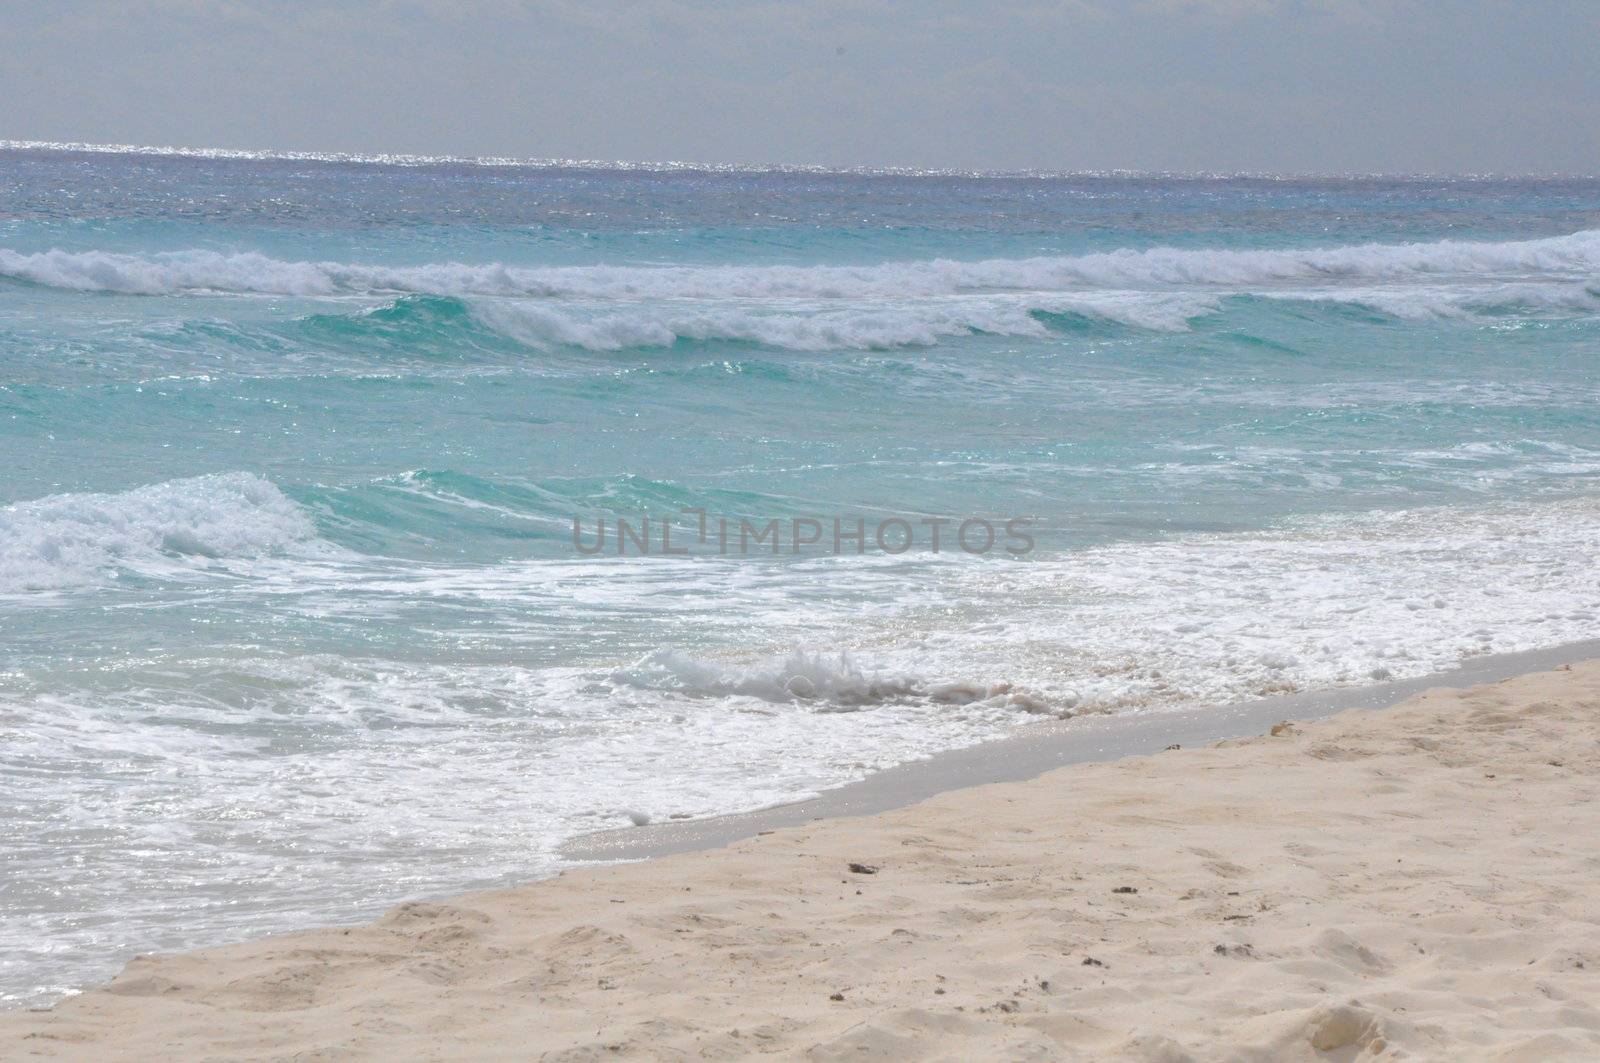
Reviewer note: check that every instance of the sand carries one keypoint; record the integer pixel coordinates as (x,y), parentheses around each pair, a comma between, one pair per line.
(1417,882)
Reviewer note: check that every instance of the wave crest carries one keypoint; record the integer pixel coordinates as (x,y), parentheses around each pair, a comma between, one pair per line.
(915,324)
(74,539)
(826,682)
(252,273)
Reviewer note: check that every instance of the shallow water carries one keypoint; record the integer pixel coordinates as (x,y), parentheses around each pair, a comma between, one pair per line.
(293,621)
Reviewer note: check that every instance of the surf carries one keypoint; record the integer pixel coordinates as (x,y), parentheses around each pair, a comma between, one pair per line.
(171,530)
(253,273)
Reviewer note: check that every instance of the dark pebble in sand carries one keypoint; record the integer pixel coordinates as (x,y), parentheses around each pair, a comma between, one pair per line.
(864,869)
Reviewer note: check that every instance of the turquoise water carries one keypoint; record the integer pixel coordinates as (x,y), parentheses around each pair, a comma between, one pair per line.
(293,623)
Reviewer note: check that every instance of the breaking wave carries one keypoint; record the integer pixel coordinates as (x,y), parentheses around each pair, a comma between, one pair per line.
(1424,302)
(1576,256)
(914,324)
(924,322)
(827,682)
(163,529)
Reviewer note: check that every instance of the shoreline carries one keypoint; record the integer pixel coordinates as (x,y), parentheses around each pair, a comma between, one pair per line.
(1036,748)
(1031,750)
(1384,884)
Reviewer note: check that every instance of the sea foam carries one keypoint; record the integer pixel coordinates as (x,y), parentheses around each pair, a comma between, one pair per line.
(1575,255)
(826,682)
(163,529)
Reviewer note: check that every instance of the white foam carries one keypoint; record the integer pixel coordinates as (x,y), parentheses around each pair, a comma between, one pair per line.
(1314,603)
(1424,301)
(824,681)
(466,769)
(72,539)
(1574,256)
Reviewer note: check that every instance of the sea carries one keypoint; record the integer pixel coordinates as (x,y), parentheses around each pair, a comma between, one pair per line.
(321,478)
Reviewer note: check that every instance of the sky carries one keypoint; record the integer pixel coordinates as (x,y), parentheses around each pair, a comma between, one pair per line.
(1412,86)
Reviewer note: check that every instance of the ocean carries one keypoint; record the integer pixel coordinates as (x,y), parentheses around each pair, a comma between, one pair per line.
(295,623)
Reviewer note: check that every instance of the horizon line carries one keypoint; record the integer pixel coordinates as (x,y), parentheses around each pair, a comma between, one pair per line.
(415,160)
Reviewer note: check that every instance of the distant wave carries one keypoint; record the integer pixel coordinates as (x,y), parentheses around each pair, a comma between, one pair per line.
(908,324)
(1573,256)
(917,322)
(68,540)
(877,307)
(1421,302)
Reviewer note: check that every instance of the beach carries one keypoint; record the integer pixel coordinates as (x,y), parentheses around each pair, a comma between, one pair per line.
(1413,882)
(577,532)
(383,528)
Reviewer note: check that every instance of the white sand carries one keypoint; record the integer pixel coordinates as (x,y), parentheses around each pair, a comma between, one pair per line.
(1421,882)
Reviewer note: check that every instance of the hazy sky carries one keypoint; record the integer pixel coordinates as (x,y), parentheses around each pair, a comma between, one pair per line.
(1323,85)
